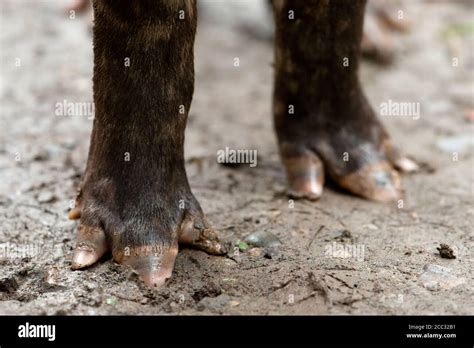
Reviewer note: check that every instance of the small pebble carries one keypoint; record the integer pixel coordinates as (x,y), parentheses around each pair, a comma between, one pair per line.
(371,227)
(111,301)
(262,239)
(234,303)
(445,251)
(46,197)
(51,275)
(255,252)
(344,235)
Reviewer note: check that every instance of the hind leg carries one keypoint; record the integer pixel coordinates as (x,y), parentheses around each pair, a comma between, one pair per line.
(323,121)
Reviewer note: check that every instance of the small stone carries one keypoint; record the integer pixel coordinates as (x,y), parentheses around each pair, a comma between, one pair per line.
(111,301)
(51,275)
(344,235)
(46,197)
(262,239)
(371,227)
(234,303)
(255,252)
(445,251)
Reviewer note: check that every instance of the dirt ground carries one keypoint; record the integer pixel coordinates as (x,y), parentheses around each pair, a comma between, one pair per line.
(391,264)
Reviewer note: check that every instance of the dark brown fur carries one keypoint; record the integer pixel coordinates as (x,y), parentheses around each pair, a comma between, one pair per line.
(138,113)
(331,114)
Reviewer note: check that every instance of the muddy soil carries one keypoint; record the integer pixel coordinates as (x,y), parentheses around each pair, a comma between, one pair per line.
(340,255)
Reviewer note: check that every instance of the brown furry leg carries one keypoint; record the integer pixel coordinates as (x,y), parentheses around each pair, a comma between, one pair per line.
(135,198)
(322,118)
